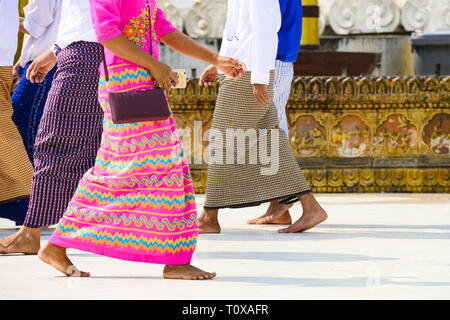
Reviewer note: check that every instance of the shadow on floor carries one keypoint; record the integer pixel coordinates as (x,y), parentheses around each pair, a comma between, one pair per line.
(289,256)
(312,282)
(322,233)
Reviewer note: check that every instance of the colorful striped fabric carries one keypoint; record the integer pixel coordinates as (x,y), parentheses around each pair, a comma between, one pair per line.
(69,133)
(28,103)
(284,74)
(15,167)
(137,203)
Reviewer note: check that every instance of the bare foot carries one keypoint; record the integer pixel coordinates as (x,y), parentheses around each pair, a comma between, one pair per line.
(313,214)
(26,241)
(208,222)
(186,272)
(307,221)
(277,213)
(57,258)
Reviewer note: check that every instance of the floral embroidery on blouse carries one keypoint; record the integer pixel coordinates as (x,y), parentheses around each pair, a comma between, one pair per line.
(136,29)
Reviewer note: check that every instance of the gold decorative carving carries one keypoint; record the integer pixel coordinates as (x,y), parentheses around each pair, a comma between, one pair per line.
(396,136)
(353,134)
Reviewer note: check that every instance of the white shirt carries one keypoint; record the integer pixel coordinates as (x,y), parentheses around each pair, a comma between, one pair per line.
(76,23)
(251,36)
(9,27)
(42,19)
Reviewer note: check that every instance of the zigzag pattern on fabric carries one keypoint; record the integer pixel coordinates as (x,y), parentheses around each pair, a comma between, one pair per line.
(148,161)
(134,127)
(157,201)
(132,220)
(134,144)
(71,230)
(144,181)
(125,77)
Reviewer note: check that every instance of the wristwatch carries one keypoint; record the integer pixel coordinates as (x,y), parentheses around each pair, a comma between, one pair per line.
(54,49)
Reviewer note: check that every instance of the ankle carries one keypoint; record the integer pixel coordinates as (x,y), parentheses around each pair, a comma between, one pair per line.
(31,232)
(54,248)
(210,215)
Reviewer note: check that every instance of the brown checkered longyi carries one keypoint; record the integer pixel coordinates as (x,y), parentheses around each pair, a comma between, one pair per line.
(237,185)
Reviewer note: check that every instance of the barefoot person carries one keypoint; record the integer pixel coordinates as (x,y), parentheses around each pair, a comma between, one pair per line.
(137,203)
(70,129)
(15,168)
(251,36)
(40,27)
(289,38)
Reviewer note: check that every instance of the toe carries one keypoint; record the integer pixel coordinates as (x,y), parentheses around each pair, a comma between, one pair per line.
(84,274)
(285,230)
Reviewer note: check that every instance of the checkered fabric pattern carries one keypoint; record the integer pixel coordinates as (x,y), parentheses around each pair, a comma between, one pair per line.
(240,185)
(69,133)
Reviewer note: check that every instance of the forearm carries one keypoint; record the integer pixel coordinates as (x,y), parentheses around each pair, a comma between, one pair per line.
(125,49)
(181,43)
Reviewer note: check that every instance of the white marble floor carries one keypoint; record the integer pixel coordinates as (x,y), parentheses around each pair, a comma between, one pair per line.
(372,247)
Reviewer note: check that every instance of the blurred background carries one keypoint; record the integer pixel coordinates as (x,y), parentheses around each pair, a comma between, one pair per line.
(370,106)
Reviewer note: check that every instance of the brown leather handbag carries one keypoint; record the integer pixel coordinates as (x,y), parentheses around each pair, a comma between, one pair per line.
(137,106)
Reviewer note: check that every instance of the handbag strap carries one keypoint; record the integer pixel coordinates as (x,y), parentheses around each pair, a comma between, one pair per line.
(150,20)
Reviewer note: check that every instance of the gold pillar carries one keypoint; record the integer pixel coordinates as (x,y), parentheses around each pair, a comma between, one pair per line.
(310,35)
(22,3)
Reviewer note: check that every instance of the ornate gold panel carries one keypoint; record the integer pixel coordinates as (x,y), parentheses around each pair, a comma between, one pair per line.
(353,134)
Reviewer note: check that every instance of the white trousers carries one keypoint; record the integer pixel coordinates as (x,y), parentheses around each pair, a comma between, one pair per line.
(284,75)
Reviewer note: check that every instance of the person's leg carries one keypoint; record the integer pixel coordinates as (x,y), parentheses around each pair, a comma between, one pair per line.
(313,214)
(66,145)
(16,170)
(28,103)
(57,257)
(278,213)
(186,272)
(208,222)
(284,74)
(26,241)
(15,210)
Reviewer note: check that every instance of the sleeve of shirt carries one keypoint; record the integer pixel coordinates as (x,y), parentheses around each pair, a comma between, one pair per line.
(225,45)
(263,19)
(39,14)
(106,18)
(162,25)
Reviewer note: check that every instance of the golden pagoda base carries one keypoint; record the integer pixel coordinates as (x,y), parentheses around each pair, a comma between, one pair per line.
(353,134)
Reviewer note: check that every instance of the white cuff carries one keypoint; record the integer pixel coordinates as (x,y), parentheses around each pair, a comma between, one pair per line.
(260,78)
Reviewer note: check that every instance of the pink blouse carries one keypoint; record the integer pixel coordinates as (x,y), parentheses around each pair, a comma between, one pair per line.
(112,18)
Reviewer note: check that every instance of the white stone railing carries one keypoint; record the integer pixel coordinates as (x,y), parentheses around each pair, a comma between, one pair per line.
(206,18)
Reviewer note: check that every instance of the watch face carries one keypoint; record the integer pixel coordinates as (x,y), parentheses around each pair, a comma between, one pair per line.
(54,49)
(181,75)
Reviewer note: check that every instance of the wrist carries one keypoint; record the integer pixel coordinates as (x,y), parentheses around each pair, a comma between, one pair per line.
(215,59)
(151,63)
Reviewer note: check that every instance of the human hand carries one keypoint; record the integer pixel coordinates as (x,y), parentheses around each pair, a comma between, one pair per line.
(164,76)
(40,67)
(230,67)
(260,93)
(14,71)
(209,76)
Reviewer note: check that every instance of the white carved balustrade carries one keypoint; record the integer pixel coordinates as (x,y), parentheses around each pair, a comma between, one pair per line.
(206,18)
